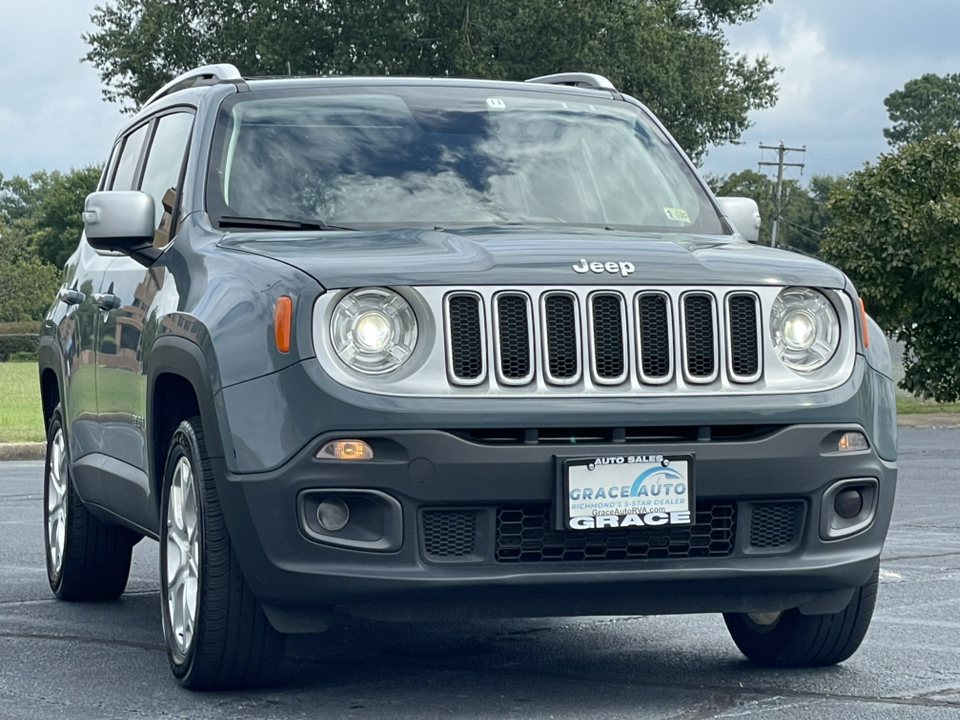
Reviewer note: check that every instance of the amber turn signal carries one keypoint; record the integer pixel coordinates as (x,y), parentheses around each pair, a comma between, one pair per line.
(283,323)
(346,450)
(853,442)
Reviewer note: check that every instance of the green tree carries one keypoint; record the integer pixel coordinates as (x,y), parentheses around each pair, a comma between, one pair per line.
(672,54)
(803,211)
(926,105)
(27,285)
(46,207)
(896,233)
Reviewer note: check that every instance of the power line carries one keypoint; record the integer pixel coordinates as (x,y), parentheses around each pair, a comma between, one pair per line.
(791,248)
(803,228)
(781,151)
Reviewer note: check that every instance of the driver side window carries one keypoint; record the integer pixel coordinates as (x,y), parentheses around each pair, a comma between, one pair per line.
(124,177)
(161,173)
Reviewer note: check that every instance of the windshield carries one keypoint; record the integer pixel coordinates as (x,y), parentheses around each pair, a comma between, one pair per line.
(442,155)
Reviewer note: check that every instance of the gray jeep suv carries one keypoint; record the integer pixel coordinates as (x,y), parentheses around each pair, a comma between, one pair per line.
(452,348)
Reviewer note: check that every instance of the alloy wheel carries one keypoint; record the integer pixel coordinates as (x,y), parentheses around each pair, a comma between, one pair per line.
(57,498)
(183,555)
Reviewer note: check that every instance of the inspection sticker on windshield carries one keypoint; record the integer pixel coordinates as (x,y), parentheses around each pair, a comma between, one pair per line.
(677,214)
(628,491)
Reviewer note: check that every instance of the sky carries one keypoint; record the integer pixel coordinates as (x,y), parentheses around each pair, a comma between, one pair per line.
(839,60)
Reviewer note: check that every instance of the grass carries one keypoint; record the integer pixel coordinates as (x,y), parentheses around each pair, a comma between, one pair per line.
(912,406)
(21,419)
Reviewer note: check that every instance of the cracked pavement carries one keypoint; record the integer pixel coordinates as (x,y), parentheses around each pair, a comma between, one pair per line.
(106,660)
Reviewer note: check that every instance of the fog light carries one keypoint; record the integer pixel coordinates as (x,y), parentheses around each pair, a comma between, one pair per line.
(852,442)
(333,514)
(848,503)
(346,450)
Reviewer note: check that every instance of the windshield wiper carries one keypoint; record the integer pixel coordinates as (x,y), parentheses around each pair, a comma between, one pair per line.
(240,221)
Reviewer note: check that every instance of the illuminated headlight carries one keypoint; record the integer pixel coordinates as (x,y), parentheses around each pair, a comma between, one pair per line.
(804,328)
(374,330)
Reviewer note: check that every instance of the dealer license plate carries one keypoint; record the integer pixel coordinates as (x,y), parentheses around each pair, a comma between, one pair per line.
(627,491)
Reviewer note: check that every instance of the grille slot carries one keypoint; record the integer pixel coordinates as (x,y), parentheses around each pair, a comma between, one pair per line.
(466,352)
(608,335)
(448,533)
(514,339)
(743,331)
(656,338)
(561,331)
(525,534)
(775,525)
(700,338)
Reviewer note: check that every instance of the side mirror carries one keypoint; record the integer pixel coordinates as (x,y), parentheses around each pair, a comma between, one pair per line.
(121,221)
(744,214)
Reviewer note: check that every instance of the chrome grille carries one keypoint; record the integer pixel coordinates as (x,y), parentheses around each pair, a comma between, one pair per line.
(699,338)
(465,338)
(743,320)
(514,339)
(561,332)
(656,339)
(639,337)
(609,338)
(458,352)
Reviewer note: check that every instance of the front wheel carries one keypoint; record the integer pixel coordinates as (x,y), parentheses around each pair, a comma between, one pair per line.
(790,639)
(216,632)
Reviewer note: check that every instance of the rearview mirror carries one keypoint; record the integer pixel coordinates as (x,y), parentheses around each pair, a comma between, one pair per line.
(121,221)
(744,214)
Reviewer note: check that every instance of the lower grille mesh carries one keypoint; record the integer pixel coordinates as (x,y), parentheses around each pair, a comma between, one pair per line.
(774,525)
(448,533)
(525,534)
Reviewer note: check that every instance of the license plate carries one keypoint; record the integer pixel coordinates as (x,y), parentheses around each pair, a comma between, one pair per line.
(626,491)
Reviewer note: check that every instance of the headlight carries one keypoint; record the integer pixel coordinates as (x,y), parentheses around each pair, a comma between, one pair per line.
(804,328)
(374,330)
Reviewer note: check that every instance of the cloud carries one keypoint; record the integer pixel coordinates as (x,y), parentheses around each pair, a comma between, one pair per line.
(839,60)
(52,116)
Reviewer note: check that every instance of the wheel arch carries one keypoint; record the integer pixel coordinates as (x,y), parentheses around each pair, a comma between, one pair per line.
(180,385)
(50,361)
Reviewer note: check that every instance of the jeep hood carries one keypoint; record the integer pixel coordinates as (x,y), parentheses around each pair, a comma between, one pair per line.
(530,256)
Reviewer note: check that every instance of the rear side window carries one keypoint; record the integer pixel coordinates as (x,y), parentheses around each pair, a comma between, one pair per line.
(125,176)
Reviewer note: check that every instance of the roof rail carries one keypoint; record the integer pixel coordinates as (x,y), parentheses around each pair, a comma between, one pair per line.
(575,79)
(192,77)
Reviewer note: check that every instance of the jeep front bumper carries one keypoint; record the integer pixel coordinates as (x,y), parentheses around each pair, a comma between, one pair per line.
(476,535)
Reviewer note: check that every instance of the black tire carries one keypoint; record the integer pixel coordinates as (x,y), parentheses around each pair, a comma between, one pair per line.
(229,643)
(87,559)
(795,640)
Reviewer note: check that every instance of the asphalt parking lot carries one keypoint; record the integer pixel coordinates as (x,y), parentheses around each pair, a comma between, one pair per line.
(60,660)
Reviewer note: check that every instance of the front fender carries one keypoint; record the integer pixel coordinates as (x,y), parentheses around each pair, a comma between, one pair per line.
(178,356)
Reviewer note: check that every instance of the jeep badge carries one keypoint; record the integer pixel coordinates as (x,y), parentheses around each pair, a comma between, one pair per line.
(624,268)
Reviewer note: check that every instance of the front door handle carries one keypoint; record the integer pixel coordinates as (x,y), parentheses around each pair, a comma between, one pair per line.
(71,297)
(106,301)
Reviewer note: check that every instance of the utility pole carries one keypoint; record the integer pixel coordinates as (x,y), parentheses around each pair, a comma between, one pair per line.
(782,151)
